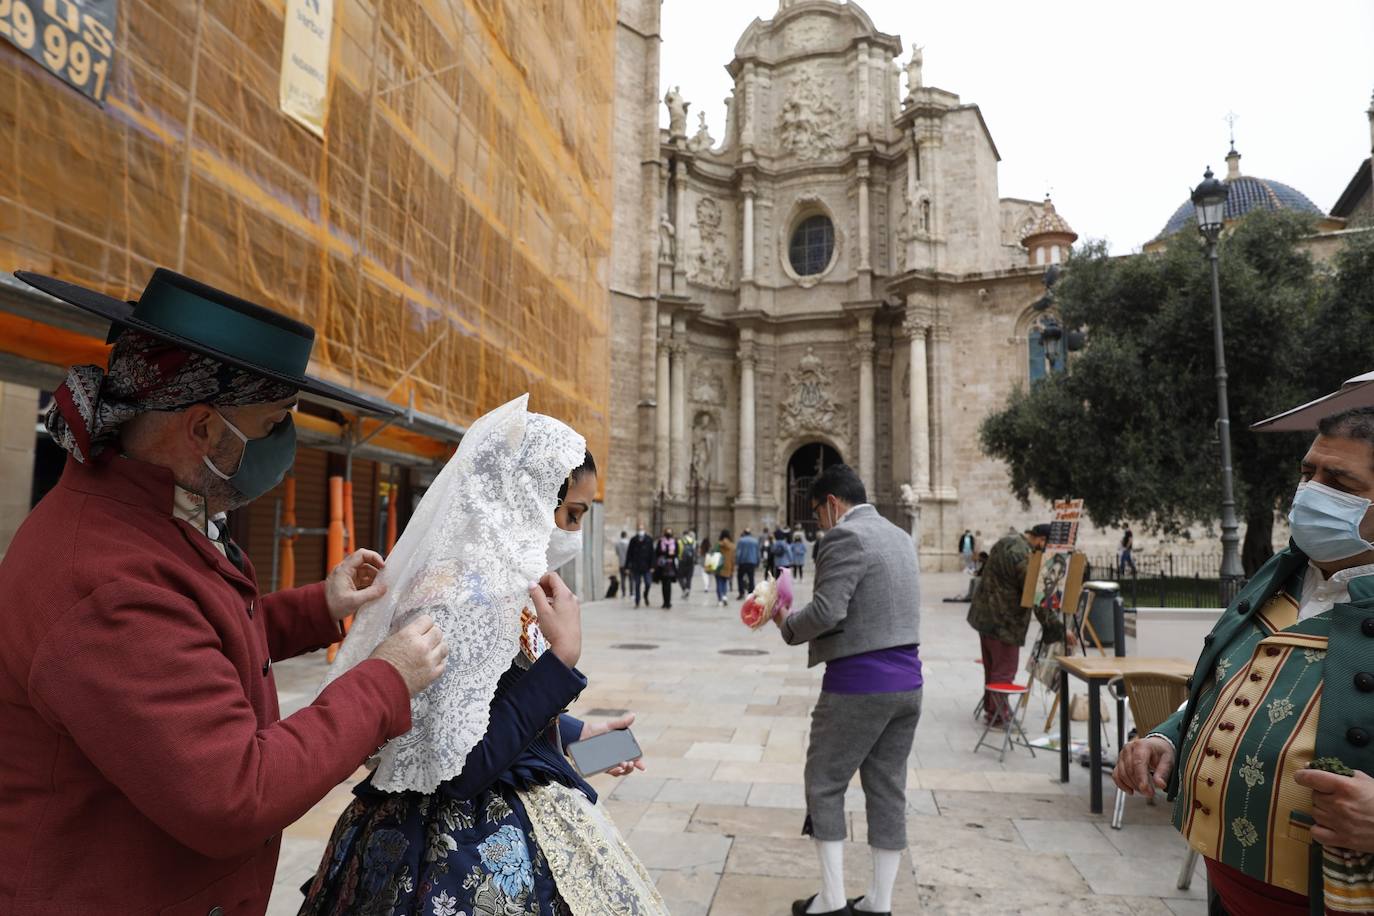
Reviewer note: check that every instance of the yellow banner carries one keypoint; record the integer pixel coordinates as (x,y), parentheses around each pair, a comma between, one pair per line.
(305,62)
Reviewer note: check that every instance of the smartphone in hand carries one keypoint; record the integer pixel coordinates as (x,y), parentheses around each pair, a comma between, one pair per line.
(599,754)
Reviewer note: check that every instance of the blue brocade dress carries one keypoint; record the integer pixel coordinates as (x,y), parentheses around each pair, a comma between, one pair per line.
(467,848)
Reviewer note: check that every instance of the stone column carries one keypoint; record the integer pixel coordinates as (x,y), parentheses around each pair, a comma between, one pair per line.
(865,347)
(865,243)
(748,114)
(916,325)
(747,360)
(911,168)
(677,474)
(940,408)
(662,413)
(747,235)
(861,62)
(680,227)
(930,147)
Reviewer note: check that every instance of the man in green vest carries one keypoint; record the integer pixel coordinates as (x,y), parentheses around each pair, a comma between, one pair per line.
(1268,762)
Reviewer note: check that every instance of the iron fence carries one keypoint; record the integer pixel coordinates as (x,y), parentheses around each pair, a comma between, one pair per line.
(1162,579)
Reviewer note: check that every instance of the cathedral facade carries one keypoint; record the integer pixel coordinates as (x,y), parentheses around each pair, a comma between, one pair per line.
(836,279)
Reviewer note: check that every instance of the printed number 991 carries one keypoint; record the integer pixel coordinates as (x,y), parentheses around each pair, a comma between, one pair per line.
(60,52)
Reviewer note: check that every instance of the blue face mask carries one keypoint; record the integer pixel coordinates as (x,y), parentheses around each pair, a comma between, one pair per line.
(265,461)
(1326,522)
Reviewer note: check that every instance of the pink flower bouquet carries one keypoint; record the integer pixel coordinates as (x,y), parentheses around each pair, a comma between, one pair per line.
(769,598)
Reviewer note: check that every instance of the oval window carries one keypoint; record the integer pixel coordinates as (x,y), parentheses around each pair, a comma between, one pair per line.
(812,245)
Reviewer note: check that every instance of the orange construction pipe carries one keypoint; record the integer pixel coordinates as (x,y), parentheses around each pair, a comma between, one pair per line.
(350,540)
(288,544)
(393,491)
(334,541)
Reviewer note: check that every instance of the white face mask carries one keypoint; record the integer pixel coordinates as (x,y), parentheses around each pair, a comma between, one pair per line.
(564,547)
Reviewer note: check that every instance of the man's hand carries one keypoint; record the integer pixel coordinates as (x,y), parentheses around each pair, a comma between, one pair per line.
(591,731)
(1143,766)
(418,651)
(560,617)
(1343,807)
(353,583)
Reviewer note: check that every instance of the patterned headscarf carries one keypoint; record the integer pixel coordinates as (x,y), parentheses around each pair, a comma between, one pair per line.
(146,373)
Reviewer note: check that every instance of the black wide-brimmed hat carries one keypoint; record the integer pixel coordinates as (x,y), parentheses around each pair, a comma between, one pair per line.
(206,320)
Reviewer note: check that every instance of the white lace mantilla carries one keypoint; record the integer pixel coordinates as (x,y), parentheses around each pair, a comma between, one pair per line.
(474,544)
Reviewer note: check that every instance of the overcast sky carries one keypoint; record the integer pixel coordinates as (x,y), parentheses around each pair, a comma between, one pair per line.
(1116,108)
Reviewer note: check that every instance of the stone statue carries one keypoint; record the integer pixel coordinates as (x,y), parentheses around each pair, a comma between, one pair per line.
(667,238)
(701,141)
(677,112)
(910,501)
(913,70)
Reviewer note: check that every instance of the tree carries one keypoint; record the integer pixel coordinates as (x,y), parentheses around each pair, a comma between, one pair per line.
(1131,428)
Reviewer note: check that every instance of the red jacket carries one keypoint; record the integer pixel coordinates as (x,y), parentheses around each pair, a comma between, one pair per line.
(144,765)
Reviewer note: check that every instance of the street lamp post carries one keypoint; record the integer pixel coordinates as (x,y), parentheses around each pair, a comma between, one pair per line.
(1209,201)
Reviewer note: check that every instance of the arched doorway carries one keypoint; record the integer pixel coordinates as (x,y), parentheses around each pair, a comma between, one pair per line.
(803,467)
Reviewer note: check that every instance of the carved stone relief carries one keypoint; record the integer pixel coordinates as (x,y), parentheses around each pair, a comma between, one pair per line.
(809,403)
(710,264)
(707,387)
(808,125)
(805,35)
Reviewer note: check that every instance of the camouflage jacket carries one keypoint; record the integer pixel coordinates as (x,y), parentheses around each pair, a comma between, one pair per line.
(996,610)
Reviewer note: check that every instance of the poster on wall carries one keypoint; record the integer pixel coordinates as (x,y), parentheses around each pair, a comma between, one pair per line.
(304,91)
(71,39)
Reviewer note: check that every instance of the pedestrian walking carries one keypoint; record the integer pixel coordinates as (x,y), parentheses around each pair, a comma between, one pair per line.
(622,556)
(747,562)
(686,561)
(725,572)
(796,556)
(770,566)
(137,699)
(640,557)
(999,617)
(1127,555)
(665,566)
(864,625)
(780,552)
(967,547)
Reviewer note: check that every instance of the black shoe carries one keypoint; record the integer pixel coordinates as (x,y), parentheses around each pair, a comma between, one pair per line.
(856,900)
(799,908)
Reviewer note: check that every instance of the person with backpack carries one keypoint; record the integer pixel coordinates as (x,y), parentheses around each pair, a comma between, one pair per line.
(665,566)
(686,561)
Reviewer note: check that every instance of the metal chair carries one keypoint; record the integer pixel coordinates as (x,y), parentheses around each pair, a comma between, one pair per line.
(1007,716)
(1153,698)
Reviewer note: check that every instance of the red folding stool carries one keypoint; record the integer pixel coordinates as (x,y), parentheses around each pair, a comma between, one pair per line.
(1004,713)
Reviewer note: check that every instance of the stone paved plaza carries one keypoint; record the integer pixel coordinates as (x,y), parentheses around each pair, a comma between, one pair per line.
(718,814)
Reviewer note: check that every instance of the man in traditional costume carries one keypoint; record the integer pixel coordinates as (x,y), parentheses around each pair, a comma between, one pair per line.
(146,766)
(1268,762)
(864,624)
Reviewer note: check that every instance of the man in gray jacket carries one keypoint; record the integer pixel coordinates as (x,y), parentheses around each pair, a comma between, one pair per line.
(864,624)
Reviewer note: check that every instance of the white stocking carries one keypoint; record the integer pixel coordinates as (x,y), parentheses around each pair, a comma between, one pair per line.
(879,896)
(831,897)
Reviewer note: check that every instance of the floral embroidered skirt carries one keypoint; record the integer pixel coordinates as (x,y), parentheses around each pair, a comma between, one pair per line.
(434,855)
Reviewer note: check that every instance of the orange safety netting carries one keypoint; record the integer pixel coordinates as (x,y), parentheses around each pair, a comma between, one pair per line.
(448,238)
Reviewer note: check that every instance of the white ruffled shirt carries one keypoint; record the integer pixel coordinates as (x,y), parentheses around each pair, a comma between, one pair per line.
(1320,594)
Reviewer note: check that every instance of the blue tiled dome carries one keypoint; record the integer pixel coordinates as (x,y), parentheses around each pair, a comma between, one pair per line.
(1248,194)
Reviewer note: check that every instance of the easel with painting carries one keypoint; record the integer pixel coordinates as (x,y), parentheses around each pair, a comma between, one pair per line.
(1054,582)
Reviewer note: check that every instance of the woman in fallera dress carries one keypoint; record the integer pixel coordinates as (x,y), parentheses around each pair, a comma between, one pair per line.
(477,810)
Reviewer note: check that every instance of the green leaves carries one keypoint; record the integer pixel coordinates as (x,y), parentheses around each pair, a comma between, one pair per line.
(1132,427)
